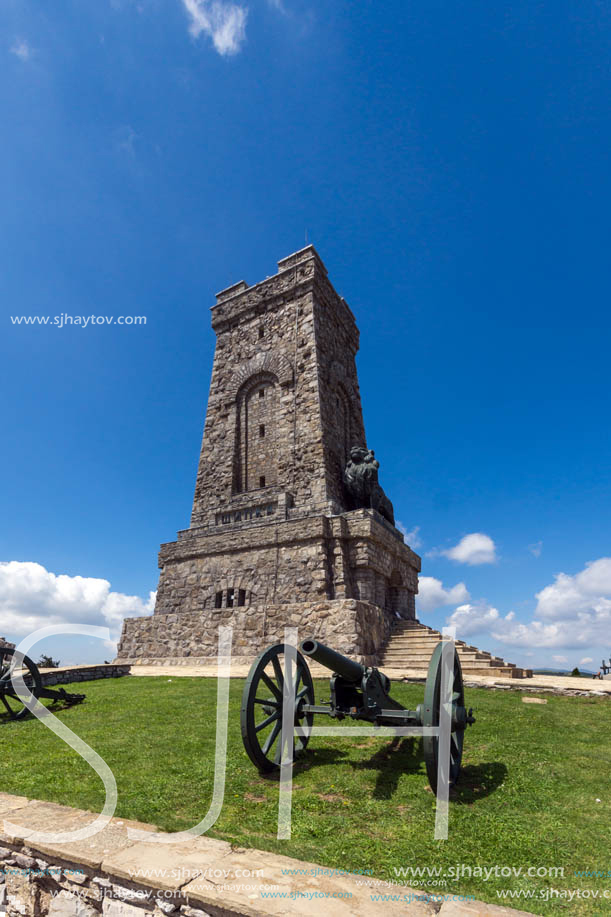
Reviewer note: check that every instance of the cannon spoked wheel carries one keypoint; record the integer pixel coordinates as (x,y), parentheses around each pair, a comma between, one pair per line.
(430,716)
(11,703)
(262,702)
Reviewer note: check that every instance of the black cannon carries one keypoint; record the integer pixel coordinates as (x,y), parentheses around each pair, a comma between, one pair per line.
(15,700)
(357,691)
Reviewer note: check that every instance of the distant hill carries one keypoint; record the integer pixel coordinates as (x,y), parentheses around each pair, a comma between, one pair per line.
(583,673)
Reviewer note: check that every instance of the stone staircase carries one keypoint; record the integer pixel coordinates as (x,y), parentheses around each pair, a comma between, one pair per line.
(411,646)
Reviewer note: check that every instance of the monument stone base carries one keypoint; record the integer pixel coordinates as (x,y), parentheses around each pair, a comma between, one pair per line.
(353,627)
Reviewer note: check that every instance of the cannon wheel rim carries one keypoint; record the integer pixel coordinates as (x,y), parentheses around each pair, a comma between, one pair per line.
(430,717)
(262,743)
(10,704)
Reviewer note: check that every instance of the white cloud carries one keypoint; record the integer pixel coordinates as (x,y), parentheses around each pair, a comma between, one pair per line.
(472,549)
(588,592)
(585,660)
(412,537)
(224,23)
(560,658)
(431,593)
(483,618)
(573,612)
(22,50)
(474,619)
(32,597)
(536,548)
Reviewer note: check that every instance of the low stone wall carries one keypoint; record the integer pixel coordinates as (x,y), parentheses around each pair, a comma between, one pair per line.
(68,675)
(111,874)
(4,643)
(357,629)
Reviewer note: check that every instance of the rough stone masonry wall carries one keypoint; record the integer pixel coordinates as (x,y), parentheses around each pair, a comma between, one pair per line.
(272,341)
(114,875)
(271,563)
(31,886)
(335,565)
(356,629)
(355,555)
(89,880)
(341,414)
(294,337)
(5,643)
(71,674)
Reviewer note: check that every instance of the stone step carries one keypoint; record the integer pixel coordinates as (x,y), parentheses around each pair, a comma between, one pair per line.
(493,671)
(401,641)
(416,634)
(433,641)
(499,671)
(425,658)
(409,622)
(424,665)
(412,644)
(416,641)
(485,664)
(424,653)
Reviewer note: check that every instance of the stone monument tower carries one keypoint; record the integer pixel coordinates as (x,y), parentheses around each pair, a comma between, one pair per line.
(280,532)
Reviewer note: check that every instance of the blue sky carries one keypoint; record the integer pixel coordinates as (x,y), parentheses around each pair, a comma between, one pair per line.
(450,164)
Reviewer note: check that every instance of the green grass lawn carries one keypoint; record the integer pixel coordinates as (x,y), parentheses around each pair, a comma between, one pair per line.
(527,795)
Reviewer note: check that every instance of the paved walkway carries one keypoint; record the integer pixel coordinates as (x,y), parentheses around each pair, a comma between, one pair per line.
(537,682)
(542,683)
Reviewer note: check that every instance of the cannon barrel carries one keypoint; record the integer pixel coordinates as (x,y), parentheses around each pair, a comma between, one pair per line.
(347,668)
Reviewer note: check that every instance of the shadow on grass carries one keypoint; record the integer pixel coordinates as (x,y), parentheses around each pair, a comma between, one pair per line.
(53,705)
(312,758)
(396,758)
(400,756)
(478,781)
(405,756)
